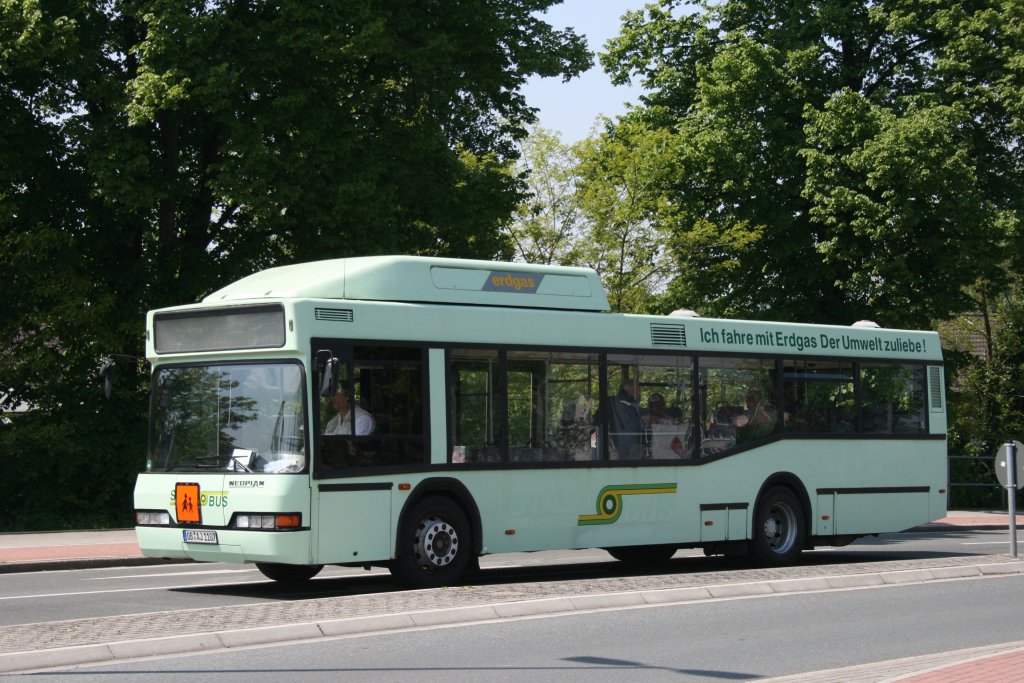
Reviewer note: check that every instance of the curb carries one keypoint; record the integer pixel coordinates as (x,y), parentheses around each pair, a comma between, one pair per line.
(107,653)
(932,527)
(84,563)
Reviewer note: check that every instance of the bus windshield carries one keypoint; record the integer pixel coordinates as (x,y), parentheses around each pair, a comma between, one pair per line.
(231,417)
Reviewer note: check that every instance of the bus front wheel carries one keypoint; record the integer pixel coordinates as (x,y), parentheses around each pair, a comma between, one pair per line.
(433,544)
(289,573)
(779,533)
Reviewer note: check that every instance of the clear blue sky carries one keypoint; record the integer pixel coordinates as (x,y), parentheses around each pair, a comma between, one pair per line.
(572,107)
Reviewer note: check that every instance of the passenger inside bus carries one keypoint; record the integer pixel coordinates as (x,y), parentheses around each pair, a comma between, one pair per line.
(668,436)
(627,427)
(757,419)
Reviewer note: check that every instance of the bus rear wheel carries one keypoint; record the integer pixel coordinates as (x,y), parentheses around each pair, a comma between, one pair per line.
(779,533)
(434,544)
(289,573)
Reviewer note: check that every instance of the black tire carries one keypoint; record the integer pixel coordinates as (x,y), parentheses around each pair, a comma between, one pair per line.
(434,544)
(289,573)
(643,555)
(779,531)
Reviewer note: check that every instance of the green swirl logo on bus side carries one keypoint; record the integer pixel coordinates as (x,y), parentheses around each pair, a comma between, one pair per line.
(609,501)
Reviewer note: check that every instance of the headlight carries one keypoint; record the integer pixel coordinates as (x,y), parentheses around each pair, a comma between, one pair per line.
(152,518)
(268,521)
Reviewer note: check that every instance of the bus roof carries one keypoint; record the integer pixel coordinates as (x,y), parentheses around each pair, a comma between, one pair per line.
(425,279)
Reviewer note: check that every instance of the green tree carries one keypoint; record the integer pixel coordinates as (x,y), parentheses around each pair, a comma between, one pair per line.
(153,151)
(987,406)
(547,226)
(593,204)
(621,196)
(836,160)
(985,359)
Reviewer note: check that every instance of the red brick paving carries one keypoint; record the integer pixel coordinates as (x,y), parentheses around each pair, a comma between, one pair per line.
(62,552)
(1004,668)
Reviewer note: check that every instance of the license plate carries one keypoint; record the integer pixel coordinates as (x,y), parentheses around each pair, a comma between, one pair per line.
(196,536)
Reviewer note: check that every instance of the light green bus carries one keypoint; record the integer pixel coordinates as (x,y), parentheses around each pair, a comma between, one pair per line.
(418,413)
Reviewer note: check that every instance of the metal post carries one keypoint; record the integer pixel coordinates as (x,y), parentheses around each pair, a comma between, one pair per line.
(949,473)
(1011,493)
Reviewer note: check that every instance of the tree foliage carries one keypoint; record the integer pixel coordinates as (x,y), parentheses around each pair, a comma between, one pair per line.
(548,225)
(835,160)
(824,162)
(153,151)
(594,204)
(987,406)
(621,195)
(986,399)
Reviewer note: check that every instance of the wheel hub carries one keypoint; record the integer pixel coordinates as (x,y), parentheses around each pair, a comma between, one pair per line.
(780,528)
(437,543)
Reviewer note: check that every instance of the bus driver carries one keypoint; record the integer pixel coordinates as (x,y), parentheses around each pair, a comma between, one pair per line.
(342,422)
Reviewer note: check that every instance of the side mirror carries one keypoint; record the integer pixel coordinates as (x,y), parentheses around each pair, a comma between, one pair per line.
(329,379)
(106,372)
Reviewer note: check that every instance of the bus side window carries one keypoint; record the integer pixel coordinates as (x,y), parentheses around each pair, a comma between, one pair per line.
(474,396)
(819,397)
(892,398)
(736,402)
(376,418)
(570,398)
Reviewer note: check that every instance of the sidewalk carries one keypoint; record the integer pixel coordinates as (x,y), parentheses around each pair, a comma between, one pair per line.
(974,519)
(1001,663)
(47,551)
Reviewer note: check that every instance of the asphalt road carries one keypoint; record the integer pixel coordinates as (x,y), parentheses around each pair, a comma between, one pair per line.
(139,610)
(727,639)
(77,594)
